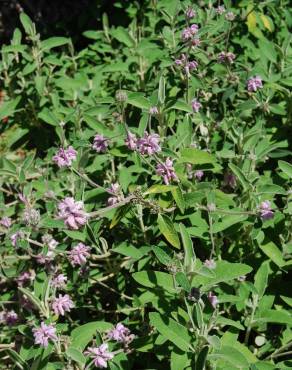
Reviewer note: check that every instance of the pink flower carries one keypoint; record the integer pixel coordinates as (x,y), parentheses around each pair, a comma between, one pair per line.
(213,299)
(254,83)
(79,254)
(9,318)
(100,143)
(62,304)
(25,278)
(149,144)
(15,237)
(6,222)
(229,179)
(65,157)
(220,10)
(121,334)
(211,264)
(166,170)
(189,32)
(226,57)
(196,105)
(190,13)
(43,334)
(153,110)
(198,175)
(131,141)
(100,355)
(59,281)
(196,41)
(266,212)
(230,16)
(72,213)
(115,190)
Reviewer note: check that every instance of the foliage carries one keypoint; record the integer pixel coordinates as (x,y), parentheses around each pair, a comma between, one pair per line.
(146,181)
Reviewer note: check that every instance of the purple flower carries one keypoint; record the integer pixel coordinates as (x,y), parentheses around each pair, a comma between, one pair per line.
(230,179)
(266,212)
(166,170)
(100,143)
(153,110)
(213,299)
(15,237)
(149,144)
(196,41)
(121,334)
(226,57)
(72,213)
(25,278)
(131,141)
(100,355)
(65,157)
(116,191)
(43,334)
(79,254)
(190,13)
(198,174)
(62,304)
(196,105)
(254,83)
(230,16)
(31,216)
(211,264)
(9,318)
(6,222)
(59,281)
(189,32)
(220,9)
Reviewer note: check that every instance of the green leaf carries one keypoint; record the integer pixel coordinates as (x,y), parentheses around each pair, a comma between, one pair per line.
(183,281)
(119,215)
(190,257)
(17,359)
(224,272)
(76,355)
(228,221)
(83,334)
(240,175)
(275,316)
(171,330)
(158,189)
(167,229)
(138,100)
(224,321)
(123,36)
(196,156)
(273,252)
(27,24)
(54,42)
(232,356)
(161,90)
(261,278)
(155,279)
(178,359)
(34,300)
(183,106)
(7,108)
(179,198)
(286,168)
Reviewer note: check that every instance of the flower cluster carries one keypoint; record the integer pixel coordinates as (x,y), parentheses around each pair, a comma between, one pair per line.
(44,333)
(100,143)
(120,334)
(65,157)
(166,170)
(196,105)
(100,355)
(62,304)
(254,83)
(189,32)
(9,318)
(265,209)
(188,66)
(6,222)
(148,144)
(226,57)
(79,254)
(117,194)
(72,213)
